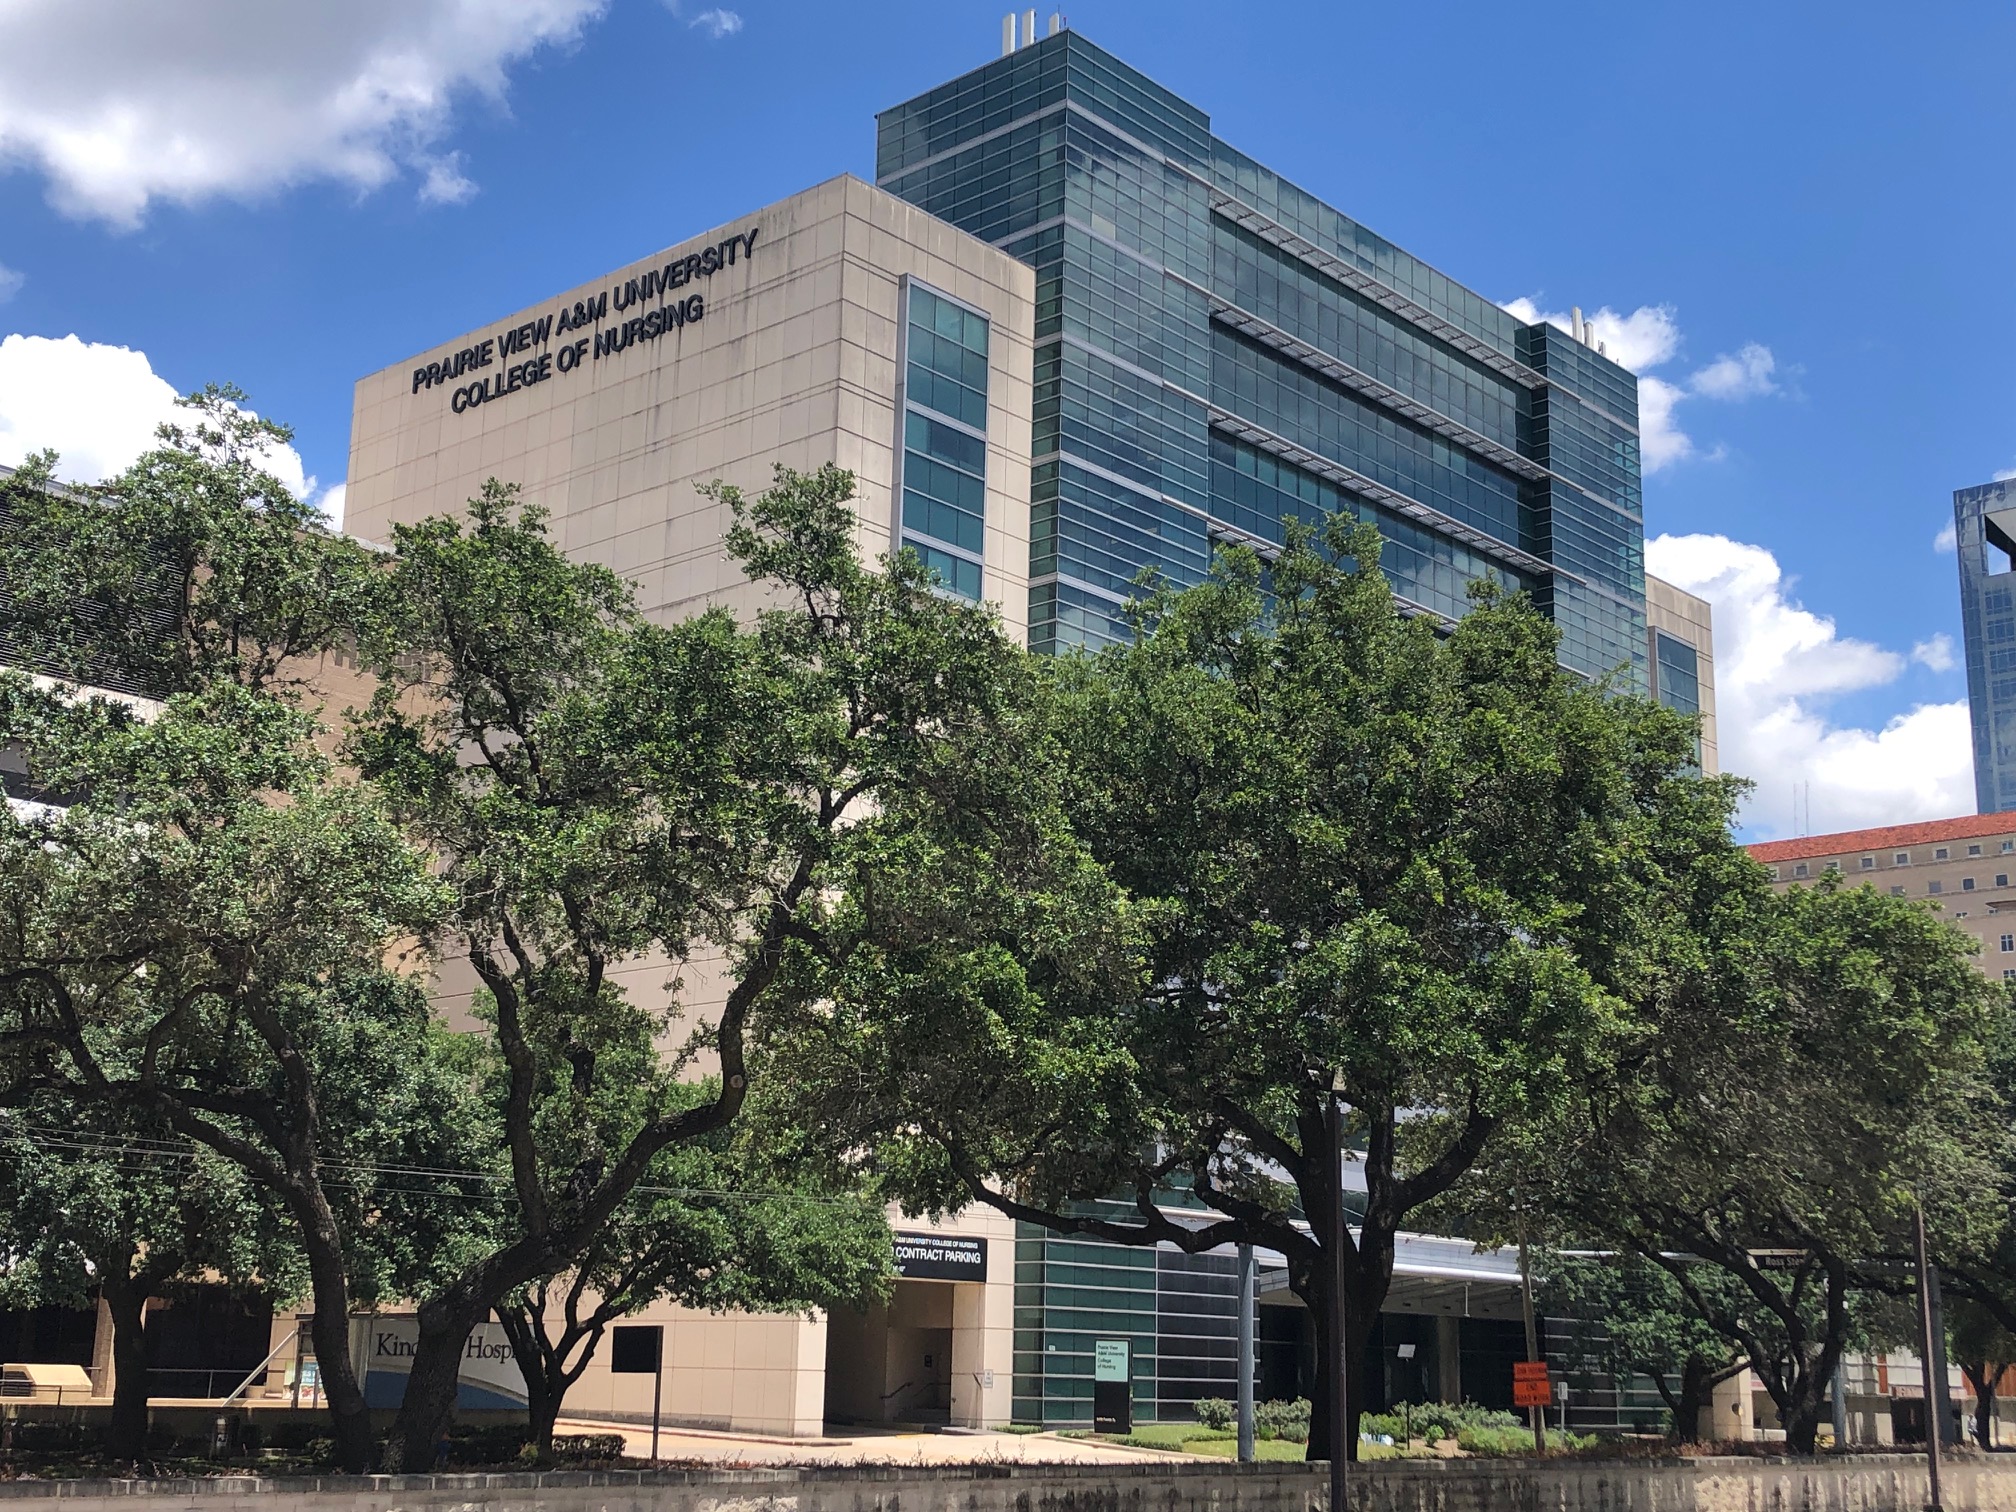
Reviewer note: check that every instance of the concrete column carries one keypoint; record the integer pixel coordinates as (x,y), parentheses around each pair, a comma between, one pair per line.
(101,1352)
(1730,1414)
(1448,1359)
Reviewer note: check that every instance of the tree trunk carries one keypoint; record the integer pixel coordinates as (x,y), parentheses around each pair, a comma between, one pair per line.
(1697,1394)
(1806,1399)
(349,1418)
(126,1434)
(1984,1376)
(545,1383)
(429,1404)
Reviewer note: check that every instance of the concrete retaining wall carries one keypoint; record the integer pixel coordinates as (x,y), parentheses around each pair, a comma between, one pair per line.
(1862,1483)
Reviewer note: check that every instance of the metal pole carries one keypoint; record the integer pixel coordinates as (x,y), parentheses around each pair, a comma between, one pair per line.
(657,1392)
(1925,1340)
(1247,1302)
(1340,1313)
(1538,1415)
(1949,1429)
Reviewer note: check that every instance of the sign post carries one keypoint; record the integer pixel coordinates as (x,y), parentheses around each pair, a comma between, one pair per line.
(1112,1387)
(639,1349)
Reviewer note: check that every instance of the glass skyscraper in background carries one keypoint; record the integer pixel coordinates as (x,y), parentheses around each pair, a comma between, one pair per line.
(1984,530)
(1217,349)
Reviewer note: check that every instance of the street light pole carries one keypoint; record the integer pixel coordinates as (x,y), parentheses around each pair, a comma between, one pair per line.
(1340,1392)
(1246,1321)
(1927,1354)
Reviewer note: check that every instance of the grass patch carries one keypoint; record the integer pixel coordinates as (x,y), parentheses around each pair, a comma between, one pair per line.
(1264,1449)
(1021,1428)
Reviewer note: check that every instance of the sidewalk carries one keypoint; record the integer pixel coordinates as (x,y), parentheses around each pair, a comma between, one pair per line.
(870,1446)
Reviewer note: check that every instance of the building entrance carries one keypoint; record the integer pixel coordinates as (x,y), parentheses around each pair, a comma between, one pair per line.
(893,1363)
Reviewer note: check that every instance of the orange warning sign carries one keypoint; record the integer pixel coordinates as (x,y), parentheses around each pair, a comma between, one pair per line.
(1530,1384)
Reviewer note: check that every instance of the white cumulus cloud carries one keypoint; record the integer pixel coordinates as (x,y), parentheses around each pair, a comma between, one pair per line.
(1948,538)
(1647,338)
(1777,664)
(1936,653)
(718,23)
(1746,375)
(120,105)
(97,406)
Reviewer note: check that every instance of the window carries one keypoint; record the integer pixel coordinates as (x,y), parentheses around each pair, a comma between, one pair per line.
(1941,854)
(1799,870)
(2008,943)
(1966,884)
(1935,887)
(1902,858)
(1677,673)
(1973,850)
(2008,846)
(944,463)
(2009,974)
(1868,863)
(1896,892)
(2001,879)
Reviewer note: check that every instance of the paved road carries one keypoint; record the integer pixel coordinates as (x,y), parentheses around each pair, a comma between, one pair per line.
(871,1446)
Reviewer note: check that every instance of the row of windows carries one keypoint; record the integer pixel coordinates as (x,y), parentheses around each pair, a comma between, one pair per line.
(1588,450)
(1103,414)
(1254,491)
(1286,292)
(1335,423)
(1903,858)
(1331,229)
(1678,672)
(1581,369)
(945,466)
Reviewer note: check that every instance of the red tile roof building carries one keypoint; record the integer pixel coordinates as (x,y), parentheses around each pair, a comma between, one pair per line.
(1963,867)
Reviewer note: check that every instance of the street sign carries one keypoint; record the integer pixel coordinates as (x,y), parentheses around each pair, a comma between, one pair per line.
(1530,1384)
(1112,1387)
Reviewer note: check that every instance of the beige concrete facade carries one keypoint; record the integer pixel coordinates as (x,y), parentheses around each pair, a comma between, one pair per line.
(793,359)
(1677,613)
(792,355)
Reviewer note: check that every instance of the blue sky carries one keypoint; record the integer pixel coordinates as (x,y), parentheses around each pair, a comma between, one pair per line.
(1800,211)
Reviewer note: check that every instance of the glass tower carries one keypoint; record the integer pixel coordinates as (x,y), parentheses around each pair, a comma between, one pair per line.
(1984,529)
(1217,349)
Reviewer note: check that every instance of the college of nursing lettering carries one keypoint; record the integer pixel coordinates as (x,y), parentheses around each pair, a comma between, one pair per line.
(583,315)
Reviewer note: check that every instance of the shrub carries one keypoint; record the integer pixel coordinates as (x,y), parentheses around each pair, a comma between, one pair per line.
(1283,1420)
(1216,1412)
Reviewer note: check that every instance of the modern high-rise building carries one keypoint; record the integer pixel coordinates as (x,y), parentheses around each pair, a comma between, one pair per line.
(1984,531)
(1217,349)
(1129,343)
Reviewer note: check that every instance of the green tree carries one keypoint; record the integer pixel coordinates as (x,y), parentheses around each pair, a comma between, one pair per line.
(1985,1351)
(600,793)
(722,1224)
(200,939)
(96,1204)
(1801,1076)
(1648,1328)
(1289,841)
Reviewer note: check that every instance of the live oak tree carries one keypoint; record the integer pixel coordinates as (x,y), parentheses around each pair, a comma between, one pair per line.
(1797,1081)
(194,931)
(604,796)
(1649,1329)
(1286,845)
(1985,1351)
(736,1222)
(97,1204)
